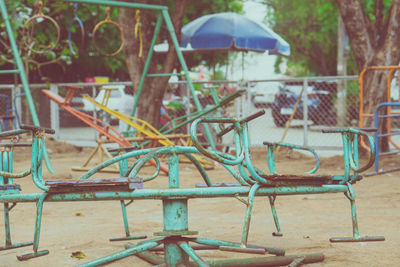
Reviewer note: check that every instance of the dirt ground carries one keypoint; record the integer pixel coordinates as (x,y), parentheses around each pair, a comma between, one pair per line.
(307,221)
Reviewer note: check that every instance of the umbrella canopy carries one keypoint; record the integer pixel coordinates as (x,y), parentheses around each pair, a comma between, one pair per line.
(232,31)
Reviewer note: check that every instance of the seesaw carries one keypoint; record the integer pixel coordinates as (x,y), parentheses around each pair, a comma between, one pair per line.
(103,129)
(145,133)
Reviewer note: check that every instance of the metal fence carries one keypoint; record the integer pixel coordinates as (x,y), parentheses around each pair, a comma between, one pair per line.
(296,109)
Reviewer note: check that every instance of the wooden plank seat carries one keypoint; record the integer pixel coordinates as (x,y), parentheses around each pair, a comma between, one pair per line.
(112,184)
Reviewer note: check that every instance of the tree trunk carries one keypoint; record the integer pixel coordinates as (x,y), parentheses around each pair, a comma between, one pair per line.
(373,44)
(153,91)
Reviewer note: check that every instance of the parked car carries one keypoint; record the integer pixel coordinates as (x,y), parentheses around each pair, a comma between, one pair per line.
(263,94)
(321,110)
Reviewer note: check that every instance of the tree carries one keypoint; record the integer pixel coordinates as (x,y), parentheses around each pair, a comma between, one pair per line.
(375,41)
(310,27)
(373,30)
(180,11)
(59,64)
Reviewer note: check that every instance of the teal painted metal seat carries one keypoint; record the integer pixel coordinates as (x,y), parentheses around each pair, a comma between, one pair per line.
(51,187)
(7,184)
(241,167)
(251,182)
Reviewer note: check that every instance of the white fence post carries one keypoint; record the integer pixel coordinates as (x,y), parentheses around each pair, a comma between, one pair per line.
(305,112)
(55,113)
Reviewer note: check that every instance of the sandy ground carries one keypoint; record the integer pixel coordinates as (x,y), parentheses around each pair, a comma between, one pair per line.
(307,221)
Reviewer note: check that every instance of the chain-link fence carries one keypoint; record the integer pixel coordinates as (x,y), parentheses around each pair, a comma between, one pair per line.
(296,109)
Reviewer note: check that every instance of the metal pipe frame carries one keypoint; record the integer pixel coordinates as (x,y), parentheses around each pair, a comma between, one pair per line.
(252,183)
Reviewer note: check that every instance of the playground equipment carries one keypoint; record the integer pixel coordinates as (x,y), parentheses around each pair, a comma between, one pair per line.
(29,27)
(108,20)
(21,72)
(145,133)
(148,132)
(315,183)
(181,121)
(162,16)
(363,115)
(378,119)
(103,129)
(176,238)
(8,118)
(82,30)
(15,109)
(11,117)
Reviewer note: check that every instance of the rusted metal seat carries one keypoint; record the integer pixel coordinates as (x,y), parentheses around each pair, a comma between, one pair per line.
(8,187)
(93,185)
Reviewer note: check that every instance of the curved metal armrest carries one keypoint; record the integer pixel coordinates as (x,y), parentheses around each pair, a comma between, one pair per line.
(292,146)
(350,135)
(215,155)
(236,125)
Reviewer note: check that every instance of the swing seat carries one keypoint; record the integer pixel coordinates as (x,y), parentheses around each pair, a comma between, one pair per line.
(95,185)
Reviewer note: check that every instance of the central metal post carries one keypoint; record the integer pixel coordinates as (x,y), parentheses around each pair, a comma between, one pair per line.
(175,219)
(175,214)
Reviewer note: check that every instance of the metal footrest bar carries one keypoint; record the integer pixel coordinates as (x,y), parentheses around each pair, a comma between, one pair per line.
(219,243)
(269,261)
(243,250)
(357,239)
(128,238)
(18,245)
(277,234)
(32,255)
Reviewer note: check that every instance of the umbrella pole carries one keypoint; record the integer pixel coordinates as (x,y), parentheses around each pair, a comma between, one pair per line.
(214,63)
(227,65)
(242,65)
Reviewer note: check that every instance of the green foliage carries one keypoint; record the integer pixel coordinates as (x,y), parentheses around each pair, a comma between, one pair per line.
(311,29)
(61,65)
(352,99)
(370,7)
